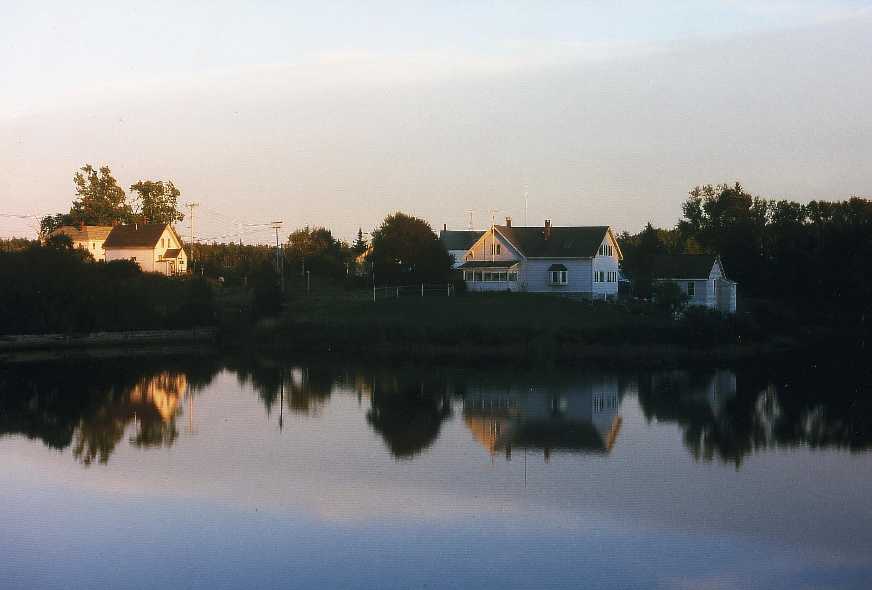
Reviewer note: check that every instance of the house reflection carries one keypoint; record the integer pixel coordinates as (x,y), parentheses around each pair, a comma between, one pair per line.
(151,405)
(579,417)
(90,406)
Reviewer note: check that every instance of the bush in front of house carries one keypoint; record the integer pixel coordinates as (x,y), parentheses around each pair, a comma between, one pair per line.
(50,289)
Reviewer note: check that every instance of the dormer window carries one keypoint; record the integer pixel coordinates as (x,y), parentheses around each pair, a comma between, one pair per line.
(557,274)
(605,250)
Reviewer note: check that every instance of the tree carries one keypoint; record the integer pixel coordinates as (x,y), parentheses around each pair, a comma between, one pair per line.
(99,199)
(728,221)
(49,223)
(157,201)
(405,249)
(359,246)
(318,250)
(639,252)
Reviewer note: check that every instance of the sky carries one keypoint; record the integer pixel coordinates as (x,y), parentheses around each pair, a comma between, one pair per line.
(338,113)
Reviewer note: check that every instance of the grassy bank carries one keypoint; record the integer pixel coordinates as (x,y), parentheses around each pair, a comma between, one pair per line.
(507,327)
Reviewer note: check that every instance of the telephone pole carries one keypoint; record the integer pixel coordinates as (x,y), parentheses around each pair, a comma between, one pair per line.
(280,266)
(191,207)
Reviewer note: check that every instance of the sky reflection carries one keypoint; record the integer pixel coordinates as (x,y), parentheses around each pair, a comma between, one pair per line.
(447,478)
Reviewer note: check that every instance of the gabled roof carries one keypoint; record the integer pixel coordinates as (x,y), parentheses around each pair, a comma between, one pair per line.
(564,242)
(459,239)
(683,266)
(142,235)
(83,233)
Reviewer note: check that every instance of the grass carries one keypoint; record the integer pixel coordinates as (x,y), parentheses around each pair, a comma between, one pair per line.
(499,326)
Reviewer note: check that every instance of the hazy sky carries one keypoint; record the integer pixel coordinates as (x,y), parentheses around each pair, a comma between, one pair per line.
(338,113)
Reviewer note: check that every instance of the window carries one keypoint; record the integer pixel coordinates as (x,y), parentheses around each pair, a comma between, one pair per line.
(605,250)
(691,289)
(93,245)
(612,276)
(600,276)
(495,248)
(487,276)
(513,276)
(558,277)
(477,275)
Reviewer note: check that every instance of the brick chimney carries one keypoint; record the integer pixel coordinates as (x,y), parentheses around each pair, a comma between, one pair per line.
(508,222)
(444,227)
(547,229)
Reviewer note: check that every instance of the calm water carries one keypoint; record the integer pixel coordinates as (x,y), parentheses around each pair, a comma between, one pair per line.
(200,474)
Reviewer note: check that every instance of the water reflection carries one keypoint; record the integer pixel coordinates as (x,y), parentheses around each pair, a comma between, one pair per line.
(580,415)
(90,406)
(728,418)
(723,415)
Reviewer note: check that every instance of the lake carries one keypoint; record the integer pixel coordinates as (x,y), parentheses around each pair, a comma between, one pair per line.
(224,473)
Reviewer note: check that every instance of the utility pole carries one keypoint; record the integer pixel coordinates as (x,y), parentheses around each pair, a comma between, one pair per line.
(280,267)
(191,207)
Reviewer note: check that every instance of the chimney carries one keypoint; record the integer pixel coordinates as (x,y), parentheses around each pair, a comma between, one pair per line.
(508,222)
(547,229)
(444,227)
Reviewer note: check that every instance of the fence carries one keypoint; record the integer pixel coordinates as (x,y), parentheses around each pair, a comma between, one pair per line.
(420,290)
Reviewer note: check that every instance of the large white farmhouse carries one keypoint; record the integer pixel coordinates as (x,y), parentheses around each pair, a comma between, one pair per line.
(578,261)
(155,247)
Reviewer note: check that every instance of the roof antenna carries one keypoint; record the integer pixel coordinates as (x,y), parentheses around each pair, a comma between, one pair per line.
(526,203)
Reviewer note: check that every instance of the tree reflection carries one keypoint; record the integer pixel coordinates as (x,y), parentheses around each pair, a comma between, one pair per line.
(726,417)
(408,416)
(90,405)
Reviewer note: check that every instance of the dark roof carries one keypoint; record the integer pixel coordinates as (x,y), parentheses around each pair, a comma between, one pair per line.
(143,235)
(489,264)
(172,253)
(564,242)
(682,266)
(556,267)
(459,239)
(559,434)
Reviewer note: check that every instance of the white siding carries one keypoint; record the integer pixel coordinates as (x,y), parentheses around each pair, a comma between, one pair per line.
(481,250)
(606,264)
(579,278)
(144,256)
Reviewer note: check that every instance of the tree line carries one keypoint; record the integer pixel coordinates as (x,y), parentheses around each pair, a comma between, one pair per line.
(100,200)
(812,257)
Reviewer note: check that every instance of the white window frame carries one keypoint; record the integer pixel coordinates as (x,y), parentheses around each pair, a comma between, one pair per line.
(559,277)
(691,289)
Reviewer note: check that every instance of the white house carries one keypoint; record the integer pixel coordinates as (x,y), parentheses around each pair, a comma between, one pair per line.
(155,247)
(579,261)
(86,237)
(458,242)
(700,276)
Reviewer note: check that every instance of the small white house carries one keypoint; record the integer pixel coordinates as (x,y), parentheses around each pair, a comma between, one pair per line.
(581,261)
(700,276)
(86,237)
(155,247)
